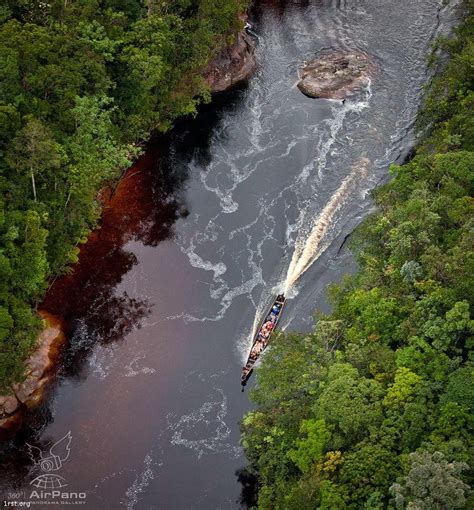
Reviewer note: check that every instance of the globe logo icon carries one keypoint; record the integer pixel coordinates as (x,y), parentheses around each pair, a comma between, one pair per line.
(53,461)
(49,482)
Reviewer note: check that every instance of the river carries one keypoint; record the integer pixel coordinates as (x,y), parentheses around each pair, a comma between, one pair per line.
(196,241)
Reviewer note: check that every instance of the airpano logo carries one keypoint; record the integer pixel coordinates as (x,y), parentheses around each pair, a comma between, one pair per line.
(51,459)
(49,462)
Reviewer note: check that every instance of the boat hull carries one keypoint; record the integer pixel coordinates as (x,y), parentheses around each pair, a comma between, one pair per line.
(263,336)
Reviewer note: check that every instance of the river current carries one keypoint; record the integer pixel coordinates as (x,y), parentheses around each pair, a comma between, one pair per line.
(256,194)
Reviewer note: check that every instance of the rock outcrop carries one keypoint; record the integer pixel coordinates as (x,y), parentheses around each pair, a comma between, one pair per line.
(233,65)
(335,75)
(40,371)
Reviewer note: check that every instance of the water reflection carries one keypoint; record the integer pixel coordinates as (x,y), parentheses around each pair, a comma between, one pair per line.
(249,492)
(246,170)
(144,208)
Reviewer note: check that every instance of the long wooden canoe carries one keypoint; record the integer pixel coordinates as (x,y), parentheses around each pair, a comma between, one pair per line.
(263,335)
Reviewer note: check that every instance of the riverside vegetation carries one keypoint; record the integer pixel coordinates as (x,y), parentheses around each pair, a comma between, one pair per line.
(373,409)
(81,83)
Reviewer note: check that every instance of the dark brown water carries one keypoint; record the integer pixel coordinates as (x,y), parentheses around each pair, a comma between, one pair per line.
(195,242)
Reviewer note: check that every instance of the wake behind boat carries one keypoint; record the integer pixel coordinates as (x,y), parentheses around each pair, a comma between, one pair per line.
(263,335)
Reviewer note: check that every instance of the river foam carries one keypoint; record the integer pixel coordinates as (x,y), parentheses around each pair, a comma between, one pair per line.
(311,243)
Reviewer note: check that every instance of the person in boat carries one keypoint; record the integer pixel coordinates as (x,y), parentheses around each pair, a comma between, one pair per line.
(269,325)
(259,346)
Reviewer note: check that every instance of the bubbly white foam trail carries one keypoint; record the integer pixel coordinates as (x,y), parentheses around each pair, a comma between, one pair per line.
(101,362)
(209,419)
(140,484)
(335,124)
(133,369)
(309,248)
(210,414)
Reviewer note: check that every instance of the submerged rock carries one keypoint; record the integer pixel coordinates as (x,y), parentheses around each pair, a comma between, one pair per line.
(8,404)
(233,65)
(40,371)
(335,75)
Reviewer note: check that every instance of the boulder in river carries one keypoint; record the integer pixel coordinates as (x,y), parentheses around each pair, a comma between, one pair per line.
(232,65)
(335,75)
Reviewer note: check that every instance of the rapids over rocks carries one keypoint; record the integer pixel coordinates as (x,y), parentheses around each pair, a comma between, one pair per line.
(252,198)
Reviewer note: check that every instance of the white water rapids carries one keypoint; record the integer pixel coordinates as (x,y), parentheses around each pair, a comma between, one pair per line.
(252,198)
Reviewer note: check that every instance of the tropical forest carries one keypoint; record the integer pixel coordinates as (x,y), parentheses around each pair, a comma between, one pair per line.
(237,254)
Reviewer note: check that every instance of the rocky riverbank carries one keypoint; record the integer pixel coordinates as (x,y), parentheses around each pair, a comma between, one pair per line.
(40,372)
(233,65)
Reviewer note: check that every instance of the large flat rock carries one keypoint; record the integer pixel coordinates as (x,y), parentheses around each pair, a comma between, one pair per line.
(335,75)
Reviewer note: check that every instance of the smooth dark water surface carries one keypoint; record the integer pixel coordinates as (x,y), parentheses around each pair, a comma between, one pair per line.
(196,240)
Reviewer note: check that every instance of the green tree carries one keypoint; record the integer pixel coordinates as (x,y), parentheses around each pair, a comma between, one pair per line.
(309,450)
(431,483)
(349,403)
(34,152)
